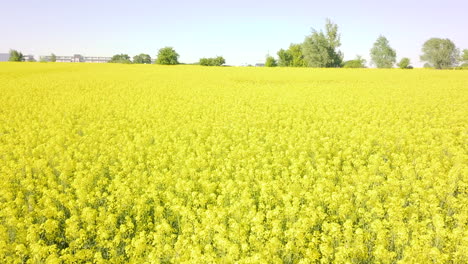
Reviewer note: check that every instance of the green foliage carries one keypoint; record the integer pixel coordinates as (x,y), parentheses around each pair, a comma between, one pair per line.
(440,53)
(16,55)
(404,63)
(284,58)
(359,62)
(120,58)
(464,57)
(167,56)
(382,55)
(297,56)
(53,58)
(218,61)
(292,57)
(142,59)
(270,62)
(320,49)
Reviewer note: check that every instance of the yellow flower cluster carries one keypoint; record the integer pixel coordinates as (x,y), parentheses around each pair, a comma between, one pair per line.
(155,164)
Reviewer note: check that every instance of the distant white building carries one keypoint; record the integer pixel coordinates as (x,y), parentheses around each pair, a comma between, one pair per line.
(28,58)
(78,58)
(64,59)
(4,56)
(97,59)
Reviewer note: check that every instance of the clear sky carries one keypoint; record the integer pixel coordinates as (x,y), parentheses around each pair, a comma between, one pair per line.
(242,31)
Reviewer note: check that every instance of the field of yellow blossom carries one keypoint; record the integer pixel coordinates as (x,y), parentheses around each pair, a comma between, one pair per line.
(112,163)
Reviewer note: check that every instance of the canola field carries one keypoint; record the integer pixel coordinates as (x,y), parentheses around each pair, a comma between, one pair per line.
(156,164)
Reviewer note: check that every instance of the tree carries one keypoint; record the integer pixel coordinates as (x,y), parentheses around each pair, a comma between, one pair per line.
(464,58)
(16,55)
(218,61)
(142,59)
(270,62)
(440,53)
(382,55)
(465,55)
(297,56)
(404,63)
(285,58)
(359,62)
(167,56)
(120,58)
(53,58)
(292,57)
(320,49)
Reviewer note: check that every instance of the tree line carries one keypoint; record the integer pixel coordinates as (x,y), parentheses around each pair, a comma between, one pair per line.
(320,50)
(165,56)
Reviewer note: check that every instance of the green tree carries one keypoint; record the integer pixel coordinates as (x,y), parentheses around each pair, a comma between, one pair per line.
(464,58)
(320,49)
(359,62)
(16,55)
(120,58)
(167,56)
(465,55)
(218,61)
(297,56)
(270,62)
(440,53)
(382,55)
(53,58)
(292,57)
(284,58)
(404,63)
(142,59)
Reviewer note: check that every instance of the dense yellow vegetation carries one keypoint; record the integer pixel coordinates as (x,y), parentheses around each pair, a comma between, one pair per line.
(185,164)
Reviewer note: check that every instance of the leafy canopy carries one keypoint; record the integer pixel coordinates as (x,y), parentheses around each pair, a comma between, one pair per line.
(167,56)
(120,58)
(142,59)
(440,53)
(382,55)
(218,61)
(320,49)
(465,57)
(16,55)
(404,63)
(284,58)
(359,62)
(270,62)
(292,57)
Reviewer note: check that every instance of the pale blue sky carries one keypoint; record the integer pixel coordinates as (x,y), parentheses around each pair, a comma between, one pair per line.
(242,31)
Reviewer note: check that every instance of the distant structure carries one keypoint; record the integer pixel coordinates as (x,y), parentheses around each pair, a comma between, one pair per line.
(259,64)
(97,59)
(28,58)
(78,58)
(4,56)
